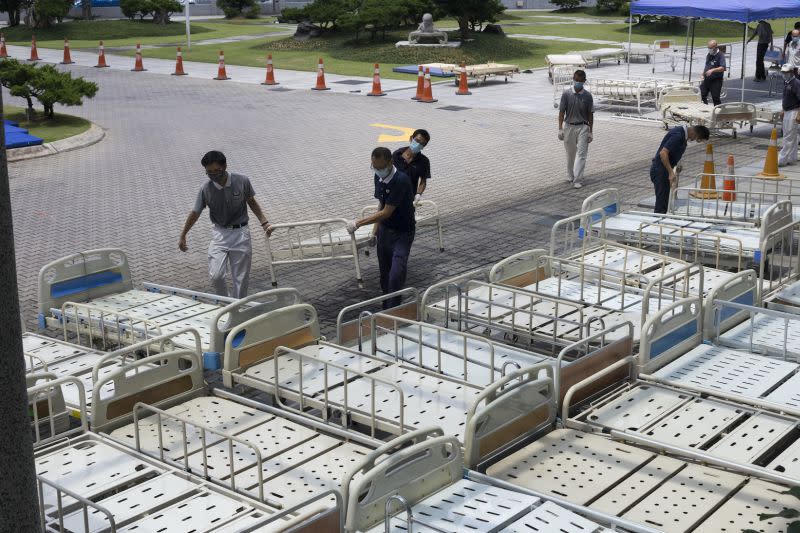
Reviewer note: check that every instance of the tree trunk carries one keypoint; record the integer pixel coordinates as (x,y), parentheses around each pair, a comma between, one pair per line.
(463,27)
(86,9)
(30,112)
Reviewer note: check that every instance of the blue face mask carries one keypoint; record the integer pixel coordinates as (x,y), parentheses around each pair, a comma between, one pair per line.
(578,85)
(382,173)
(415,147)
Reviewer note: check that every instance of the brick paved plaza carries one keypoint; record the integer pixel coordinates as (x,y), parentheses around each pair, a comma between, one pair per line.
(498,177)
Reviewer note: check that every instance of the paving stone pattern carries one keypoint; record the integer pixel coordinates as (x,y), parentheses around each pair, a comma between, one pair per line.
(499,179)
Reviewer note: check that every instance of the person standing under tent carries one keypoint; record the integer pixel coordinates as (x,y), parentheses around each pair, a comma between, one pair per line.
(788,40)
(764,33)
(713,74)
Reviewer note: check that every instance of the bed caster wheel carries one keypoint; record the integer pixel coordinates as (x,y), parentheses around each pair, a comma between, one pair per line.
(274,283)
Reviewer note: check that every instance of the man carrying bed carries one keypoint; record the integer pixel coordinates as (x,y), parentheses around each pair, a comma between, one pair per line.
(227,197)
(394,222)
(670,151)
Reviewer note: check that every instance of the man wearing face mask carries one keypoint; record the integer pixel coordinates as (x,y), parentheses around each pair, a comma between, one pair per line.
(790,106)
(227,197)
(577,110)
(788,40)
(394,222)
(792,56)
(413,163)
(713,74)
(668,155)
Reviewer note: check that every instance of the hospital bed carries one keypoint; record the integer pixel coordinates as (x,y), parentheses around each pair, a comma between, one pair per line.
(765,331)
(482,71)
(717,243)
(770,113)
(564,63)
(601,54)
(651,483)
(425,488)
(377,393)
(315,241)
(89,482)
(684,106)
(91,294)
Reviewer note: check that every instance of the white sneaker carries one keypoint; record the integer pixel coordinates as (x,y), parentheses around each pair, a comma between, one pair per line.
(577,185)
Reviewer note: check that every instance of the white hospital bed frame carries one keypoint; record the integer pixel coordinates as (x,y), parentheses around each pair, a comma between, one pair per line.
(684,106)
(88,482)
(315,241)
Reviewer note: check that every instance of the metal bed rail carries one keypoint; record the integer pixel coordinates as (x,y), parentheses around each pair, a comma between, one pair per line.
(410,293)
(109,328)
(309,242)
(224,437)
(205,297)
(691,244)
(85,505)
(305,400)
(49,394)
(575,234)
(791,322)
(779,263)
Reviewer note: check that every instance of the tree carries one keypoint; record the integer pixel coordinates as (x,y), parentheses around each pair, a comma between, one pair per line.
(414,9)
(471,13)
(43,13)
(13,8)
(235,8)
(46,84)
(380,15)
(163,9)
(566,4)
(610,5)
(86,9)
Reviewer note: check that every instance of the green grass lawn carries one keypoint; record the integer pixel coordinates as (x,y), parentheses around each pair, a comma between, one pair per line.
(86,34)
(60,127)
(341,56)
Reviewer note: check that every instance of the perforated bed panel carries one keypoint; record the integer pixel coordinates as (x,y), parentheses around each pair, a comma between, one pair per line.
(202,323)
(790,294)
(549,517)
(216,413)
(788,462)
(313,373)
(742,510)
(428,400)
(570,289)
(476,302)
(727,370)
(621,260)
(694,423)
(637,408)
(466,506)
(161,306)
(571,465)
(121,302)
(769,332)
(641,482)
(752,439)
(49,350)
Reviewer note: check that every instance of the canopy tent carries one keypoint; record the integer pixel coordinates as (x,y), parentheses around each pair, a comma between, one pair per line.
(743,11)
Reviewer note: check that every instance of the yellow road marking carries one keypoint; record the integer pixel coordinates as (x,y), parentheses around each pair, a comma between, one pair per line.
(403,136)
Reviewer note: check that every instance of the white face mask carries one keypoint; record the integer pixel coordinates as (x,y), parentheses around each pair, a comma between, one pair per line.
(382,173)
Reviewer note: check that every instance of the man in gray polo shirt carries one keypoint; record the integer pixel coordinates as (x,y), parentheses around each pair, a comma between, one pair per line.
(575,123)
(227,197)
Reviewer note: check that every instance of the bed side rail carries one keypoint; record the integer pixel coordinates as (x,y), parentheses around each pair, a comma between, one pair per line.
(447,289)
(521,269)
(255,340)
(204,297)
(780,258)
(575,234)
(161,379)
(673,286)
(409,475)
(350,328)
(83,276)
(670,333)
(48,410)
(53,519)
(741,289)
(750,313)
(517,406)
(87,324)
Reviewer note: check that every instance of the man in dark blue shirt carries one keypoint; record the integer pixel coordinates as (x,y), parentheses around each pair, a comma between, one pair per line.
(790,106)
(713,74)
(411,162)
(670,151)
(394,222)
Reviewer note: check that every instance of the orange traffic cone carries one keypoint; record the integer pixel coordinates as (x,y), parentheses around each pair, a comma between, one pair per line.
(320,86)
(270,73)
(221,74)
(138,65)
(427,91)
(67,57)
(420,83)
(463,88)
(3,51)
(771,162)
(729,182)
(376,83)
(179,64)
(101,57)
(34,53)
(708,184)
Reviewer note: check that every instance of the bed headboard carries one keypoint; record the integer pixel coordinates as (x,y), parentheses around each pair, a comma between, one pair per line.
(430,463)
(83,276)
(246,309)
(521,269)
(742,288)
(48,410)
(606,199)
(514,407)
(670,333)
(578,233)
(734,111)
(160,380)
(255,340)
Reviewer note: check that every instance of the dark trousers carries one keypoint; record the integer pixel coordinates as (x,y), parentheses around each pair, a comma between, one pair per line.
(393,250)
(761,72)
(660,179)
(713,86)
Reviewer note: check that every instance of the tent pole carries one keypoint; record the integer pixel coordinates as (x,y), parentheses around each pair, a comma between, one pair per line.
(630,33)
(744,49)
(686,48)
(691,54)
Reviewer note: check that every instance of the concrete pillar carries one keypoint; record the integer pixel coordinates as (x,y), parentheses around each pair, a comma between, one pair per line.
(18,497)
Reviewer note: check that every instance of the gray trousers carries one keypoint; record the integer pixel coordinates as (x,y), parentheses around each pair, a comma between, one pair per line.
(230,248)
(576,142)
(788,153)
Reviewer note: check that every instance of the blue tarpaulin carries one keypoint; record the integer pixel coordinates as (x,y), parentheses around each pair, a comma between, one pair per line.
(736,10)
(17,137)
